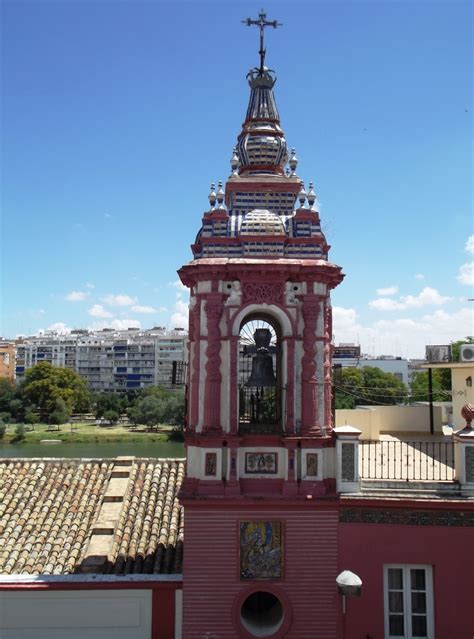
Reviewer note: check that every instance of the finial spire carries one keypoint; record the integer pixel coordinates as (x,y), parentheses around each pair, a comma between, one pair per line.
(262,22)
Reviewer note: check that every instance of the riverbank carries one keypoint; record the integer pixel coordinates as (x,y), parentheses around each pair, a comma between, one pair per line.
(88,434)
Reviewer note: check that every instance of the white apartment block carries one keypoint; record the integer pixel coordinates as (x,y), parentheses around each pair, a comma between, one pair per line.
(111,360)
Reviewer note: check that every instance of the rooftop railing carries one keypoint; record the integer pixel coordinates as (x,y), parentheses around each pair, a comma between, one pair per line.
(407,460)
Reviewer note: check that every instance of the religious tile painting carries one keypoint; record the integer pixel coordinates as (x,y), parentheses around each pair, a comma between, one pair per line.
(311,464)
(210,465)
(261,463)
(261,550)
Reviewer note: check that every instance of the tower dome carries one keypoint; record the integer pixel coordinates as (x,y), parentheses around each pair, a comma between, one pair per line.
(261,145)
(262,222)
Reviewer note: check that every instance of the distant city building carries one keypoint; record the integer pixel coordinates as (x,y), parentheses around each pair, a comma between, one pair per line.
(111,360)
(349,355)
(7,359)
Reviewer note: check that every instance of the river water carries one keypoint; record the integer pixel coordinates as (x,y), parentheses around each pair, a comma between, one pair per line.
(71,450)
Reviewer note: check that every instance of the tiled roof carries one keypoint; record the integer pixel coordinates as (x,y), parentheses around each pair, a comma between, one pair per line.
(51,513)
(149,533)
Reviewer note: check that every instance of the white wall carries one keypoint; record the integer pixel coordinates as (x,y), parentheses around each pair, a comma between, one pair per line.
(373,420)
(76,614)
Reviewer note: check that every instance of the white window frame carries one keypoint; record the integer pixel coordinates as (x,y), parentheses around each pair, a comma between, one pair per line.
(407,600)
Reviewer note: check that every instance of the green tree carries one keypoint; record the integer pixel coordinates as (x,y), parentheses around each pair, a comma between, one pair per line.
(173,412)
(43,384)
(156,405)
(112,416)
(17,408)
(31,418)
(368,386)
(104,402)
(61,412)
(3,429)
(149,411)
(7,394)
(441,386)
(19,433)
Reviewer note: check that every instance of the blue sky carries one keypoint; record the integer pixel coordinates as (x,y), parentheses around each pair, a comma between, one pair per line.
(118,115)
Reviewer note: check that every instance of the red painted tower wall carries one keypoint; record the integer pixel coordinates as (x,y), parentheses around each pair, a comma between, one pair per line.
(211,566)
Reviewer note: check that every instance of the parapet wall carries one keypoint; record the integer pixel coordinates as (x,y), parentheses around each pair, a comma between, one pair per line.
(373,420)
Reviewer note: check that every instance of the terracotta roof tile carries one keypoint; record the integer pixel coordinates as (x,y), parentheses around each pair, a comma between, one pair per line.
(48,509)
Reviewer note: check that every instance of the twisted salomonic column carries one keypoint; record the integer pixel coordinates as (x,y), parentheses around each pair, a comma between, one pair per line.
(290,386)
(212,395)
(195,356)
(309,421)
(233,386)
(328,417)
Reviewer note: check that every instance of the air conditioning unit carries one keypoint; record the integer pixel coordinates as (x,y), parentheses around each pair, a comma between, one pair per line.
(466,353)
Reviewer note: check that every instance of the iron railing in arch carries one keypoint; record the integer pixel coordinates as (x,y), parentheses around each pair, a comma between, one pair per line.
(260,410)
(407,460)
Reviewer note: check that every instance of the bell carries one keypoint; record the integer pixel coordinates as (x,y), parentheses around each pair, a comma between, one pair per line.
(262,374)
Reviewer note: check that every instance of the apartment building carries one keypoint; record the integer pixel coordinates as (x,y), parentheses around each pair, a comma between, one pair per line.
(7,359)
(111,360)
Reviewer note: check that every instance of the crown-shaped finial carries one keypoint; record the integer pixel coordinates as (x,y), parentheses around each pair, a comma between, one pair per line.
(311,196)
(234,163)
(293,162)
(212,196)
(220,196)
(302,195)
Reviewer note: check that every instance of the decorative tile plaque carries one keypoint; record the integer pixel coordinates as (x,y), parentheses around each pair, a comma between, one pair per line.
(261,463)
(261,550)
(210,469)
(469,464)
(311,464)
(348,462)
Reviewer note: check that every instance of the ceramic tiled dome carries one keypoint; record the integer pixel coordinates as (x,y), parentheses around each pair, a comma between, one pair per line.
(261,221)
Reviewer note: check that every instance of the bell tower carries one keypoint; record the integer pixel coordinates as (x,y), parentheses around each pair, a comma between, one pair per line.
(260,489)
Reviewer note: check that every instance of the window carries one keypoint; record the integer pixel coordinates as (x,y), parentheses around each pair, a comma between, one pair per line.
(408,602)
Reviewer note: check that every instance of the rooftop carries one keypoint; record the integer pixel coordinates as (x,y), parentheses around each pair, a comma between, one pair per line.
(64,516)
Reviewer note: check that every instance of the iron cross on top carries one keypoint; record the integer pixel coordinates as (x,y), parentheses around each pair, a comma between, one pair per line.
(262,22)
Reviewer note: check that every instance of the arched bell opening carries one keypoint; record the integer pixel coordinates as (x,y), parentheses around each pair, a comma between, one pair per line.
(260,375)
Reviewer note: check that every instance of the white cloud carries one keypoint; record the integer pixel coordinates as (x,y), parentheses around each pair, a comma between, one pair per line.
(99,311)
(138,308)
(117,324)
(179,319)
(179,285)
(402,336)
(466,274)
(343,318)
(389,290)
(428,297)
(470,244)
(58,327)
(76,296)
(107,216)
(419,276)
(89,285)
(119,300)
(385,304)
